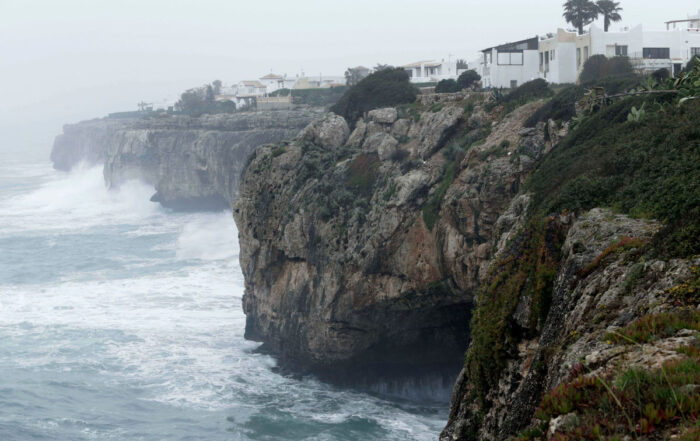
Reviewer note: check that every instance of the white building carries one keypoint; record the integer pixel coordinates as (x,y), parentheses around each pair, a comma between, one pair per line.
(557,57)
(510,65)
(250,88)
(562,56)
(432,71)
(273,82)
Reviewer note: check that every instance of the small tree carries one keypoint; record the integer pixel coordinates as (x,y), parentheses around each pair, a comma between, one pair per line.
(580,13)
(447,86)
(352,76)
(610,10)
(216,84)
(381,66)
(384,88)
(661,75)
(468,78)
(191,101)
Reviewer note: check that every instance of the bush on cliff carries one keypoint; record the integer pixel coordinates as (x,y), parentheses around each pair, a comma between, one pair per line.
(447,86)
(385,88)
(599,67)
(523,94)
(648,169)
(468,79)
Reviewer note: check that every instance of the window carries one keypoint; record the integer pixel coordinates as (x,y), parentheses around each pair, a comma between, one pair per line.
(541,61)
(578,57)
(656,53)
(585,53)
(513,84)
(510,58)
(551,55)
(620,51)
(695,51)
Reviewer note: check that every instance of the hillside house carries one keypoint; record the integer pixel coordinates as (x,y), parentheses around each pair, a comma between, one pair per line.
(250,88)
(431,71)
(510,65)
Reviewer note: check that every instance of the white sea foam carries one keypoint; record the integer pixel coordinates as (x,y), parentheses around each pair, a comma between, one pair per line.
(76,200)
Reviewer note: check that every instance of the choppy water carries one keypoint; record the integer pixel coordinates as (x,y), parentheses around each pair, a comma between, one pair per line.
(122,321)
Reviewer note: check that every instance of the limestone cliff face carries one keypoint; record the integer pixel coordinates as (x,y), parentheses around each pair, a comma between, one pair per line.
(591,296)
(362,250)
(193,163)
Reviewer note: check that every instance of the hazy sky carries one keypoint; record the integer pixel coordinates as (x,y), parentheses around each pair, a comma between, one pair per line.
(66,60)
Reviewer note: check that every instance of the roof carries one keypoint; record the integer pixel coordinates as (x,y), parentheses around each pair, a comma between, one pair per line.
(361,68)
(253,84)
(272,76)
(529,44)
(427,63)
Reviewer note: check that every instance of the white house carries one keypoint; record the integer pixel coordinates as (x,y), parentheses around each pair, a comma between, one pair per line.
(272,82)
(250,88)
(431,71)
(510,65)
(557,57)
(562,56)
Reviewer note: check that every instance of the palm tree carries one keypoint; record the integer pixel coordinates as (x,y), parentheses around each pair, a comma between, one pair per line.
(580,13)
(610,11)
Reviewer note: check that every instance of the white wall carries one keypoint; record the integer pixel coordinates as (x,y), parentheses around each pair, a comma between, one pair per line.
(500,75)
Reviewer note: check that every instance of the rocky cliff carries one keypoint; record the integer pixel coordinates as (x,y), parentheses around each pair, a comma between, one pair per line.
(193,163)
(387,248)
(362,250)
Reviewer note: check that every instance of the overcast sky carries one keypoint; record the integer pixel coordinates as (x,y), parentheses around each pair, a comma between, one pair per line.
(67,60)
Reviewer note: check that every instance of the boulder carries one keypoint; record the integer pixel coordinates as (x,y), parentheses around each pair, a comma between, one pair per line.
(387,115)
(330,131)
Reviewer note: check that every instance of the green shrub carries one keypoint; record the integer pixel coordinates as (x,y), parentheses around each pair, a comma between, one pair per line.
(362,174)
(385,88)
(468,78)
(527,268)
(661,75)
(656,326)
(523,94)
(599,67)
(647,169)
(447,86)
(431,211)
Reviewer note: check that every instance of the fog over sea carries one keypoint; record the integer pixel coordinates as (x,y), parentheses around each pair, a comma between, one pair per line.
(120,320)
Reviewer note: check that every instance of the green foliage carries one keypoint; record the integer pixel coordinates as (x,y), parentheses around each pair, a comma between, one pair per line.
(385,88)
(562,107)
(599,67)
(649,169)
(688,292)
(523,94)
(637,403)
(527,269)
(468,78)
(656,326)
(200,100)
(447,86)
(313,97)
(362,174)
(626,243)
(635,114)
(431,211)
(661,75)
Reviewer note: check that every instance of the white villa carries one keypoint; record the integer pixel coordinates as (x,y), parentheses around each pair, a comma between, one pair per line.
(559,58)
(510,64)
(432,71)
(563,55)
(274,82)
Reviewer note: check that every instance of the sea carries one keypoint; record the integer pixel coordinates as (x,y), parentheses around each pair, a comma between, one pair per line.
(122,320)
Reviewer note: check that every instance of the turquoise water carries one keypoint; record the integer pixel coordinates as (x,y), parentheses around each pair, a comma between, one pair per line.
(120,320)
